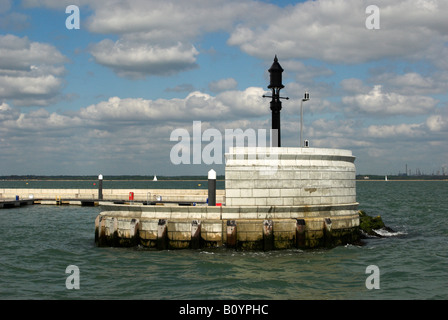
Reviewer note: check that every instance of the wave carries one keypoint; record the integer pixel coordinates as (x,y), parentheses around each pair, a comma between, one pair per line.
(386,232)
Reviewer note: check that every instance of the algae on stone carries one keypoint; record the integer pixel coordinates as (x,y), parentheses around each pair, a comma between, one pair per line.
(369,224)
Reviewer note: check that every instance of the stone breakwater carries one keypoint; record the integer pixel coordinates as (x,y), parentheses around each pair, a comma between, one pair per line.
(275,198)
(249,227)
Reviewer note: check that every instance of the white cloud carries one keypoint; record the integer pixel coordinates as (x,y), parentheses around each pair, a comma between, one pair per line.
(353,85)
(334,31)
(380,103)
(137,60)
(29,71)
(119,114)
(119,133)
(223,84)
(195,106)
(412,83)
(40,121)
(21,53)
(247,103)
(131,132)
(157,37)
(6,112)
(161,20)
(395,131)
(438,122)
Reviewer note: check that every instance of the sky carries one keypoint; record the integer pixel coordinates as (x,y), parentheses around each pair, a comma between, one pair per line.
(108,97)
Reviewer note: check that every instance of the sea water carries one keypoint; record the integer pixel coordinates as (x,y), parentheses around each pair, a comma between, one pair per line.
(39,242)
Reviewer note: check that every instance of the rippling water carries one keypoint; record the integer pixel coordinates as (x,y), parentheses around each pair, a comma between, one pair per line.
(38,242)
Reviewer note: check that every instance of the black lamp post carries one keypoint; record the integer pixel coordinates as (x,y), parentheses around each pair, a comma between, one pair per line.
(276,85)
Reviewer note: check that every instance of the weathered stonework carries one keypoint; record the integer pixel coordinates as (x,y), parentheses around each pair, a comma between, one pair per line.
(275,198)
(319,226)
(289,177)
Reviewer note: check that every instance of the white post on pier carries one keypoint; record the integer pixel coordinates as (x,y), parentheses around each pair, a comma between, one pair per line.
(212,188)
(100,187)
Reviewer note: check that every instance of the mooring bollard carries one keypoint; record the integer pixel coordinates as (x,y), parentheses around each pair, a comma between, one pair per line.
(133,228)
(231,234)
(212,188)
(162,234)
(113,232)
(268,235)
(100,187)
(99,230)
(328,241)
(300,233)
(195,234)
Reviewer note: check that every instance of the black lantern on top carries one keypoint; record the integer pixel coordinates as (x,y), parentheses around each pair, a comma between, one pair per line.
(275,72)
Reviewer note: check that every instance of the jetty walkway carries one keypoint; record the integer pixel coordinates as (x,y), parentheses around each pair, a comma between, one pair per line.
(15,197)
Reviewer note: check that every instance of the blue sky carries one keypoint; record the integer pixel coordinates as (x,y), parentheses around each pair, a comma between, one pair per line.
(105,98)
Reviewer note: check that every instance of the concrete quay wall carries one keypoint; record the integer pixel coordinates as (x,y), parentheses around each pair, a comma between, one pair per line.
(180,195)
(243,227)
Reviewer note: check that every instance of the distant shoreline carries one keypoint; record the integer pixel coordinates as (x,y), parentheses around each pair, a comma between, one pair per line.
(402,180)
(106,178)
(149,180)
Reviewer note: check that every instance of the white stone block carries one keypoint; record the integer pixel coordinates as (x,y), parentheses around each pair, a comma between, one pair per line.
(179,215)
(213,215)
(274,184)
(288,193)
(261,183)
(230,215)
(247,193)
(243,201)
(242,184)
(249,215)
(288,201)
(274,201)
(195,215)
(274,193)
(211,227)
(282,215)
(232,175)
(259,193)
(233,193)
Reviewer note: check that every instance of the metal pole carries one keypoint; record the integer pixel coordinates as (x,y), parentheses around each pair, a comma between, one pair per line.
(276,120)
(301,122)
(306,97)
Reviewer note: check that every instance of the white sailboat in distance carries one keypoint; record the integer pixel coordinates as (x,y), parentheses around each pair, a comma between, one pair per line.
(155,178)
